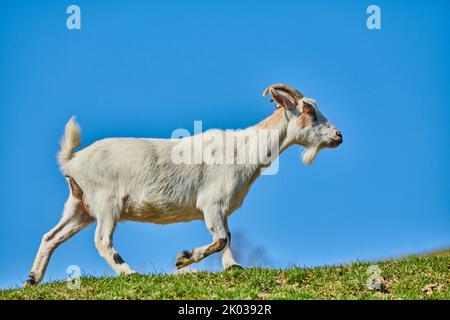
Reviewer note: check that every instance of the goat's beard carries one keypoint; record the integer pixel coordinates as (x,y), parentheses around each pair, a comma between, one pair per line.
(310,154)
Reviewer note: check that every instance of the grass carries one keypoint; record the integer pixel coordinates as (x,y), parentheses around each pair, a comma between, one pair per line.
(425,277)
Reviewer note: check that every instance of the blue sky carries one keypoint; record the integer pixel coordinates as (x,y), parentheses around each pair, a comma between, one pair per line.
(145,68)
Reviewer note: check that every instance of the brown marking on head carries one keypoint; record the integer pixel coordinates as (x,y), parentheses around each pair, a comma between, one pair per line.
(78,193)
(308,116)
(272,121)
(118,259)
(216,246)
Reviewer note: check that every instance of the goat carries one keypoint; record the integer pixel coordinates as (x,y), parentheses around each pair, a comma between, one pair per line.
(119,179)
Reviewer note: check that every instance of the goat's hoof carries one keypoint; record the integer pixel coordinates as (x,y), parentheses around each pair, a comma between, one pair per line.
(183,259)
(234,267)
(129,273)
(29,283)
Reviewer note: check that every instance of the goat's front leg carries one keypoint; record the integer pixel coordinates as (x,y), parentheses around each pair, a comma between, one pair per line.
(214,220)
(228,261)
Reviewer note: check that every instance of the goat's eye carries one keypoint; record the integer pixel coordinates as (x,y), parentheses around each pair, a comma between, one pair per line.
(310,111)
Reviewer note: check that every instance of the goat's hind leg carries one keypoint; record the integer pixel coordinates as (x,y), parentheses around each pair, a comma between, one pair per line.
(73,220)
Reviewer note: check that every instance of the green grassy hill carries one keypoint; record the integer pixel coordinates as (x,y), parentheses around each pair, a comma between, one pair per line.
(425,277)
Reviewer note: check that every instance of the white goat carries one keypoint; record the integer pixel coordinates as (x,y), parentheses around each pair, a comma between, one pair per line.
(137,179)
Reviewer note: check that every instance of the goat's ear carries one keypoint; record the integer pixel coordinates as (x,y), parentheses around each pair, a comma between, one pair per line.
(282,99)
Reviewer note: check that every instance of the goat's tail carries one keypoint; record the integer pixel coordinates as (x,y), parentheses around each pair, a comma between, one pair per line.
(69,141)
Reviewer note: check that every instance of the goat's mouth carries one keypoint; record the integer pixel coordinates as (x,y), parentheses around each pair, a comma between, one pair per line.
(334,143)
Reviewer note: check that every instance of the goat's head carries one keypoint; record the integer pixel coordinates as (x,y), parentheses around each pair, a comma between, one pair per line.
(307,125)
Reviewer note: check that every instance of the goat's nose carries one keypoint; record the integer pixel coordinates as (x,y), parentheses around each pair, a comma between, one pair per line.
(338,133)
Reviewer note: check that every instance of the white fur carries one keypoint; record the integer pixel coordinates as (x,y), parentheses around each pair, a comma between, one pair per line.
(69,141)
